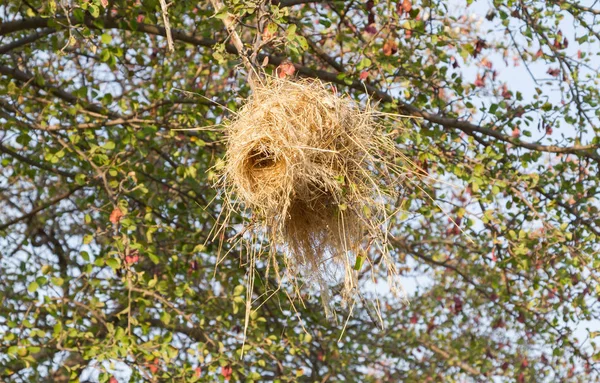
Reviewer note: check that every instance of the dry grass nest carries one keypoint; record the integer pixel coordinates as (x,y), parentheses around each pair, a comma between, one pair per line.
(318,175)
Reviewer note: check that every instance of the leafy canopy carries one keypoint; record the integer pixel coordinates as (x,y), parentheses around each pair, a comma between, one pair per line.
(107,270)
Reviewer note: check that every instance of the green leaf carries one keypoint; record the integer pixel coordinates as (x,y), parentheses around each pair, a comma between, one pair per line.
(80,179)
(154,258)
(359,262)
(364,63)
(109,145)
(94,10)
(222,14)
(302,41)
(33,286)
(87,239)
(165,317)
(106,38)
(113,263)
(291,32)
(238,290)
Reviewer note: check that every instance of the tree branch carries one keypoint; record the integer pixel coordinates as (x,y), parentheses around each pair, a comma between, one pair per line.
(444,354)
(237,41)
(62,94)
(26,40)
(31,162)
(40,208)
(291,3)
(405,108)
(23,24)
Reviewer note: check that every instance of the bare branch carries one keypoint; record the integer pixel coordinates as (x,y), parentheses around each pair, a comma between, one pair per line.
(40,208)
(236,40)
(165,15)
(31,162)
(444,354)
(26,40)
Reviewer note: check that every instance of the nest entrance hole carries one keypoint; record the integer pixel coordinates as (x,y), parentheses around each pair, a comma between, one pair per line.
(263,166)
(261,158)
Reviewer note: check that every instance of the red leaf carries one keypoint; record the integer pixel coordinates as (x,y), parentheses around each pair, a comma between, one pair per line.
(557,41)
(371,18)
(505,92)
(113,380)
(455,63)
(519,112)
(226,372)
(390,47)
(104,3)
(364,75)
(486,63)
(399,8)
(154,366)
(116,215)
(198,372)
(480,44)
(286,68)
(406,5)
(132,258)
(516,132)
(480,81)
(267,33)
(430,326)
(556,44)
(539,53)
(554,72)
(371,29)
(458,305)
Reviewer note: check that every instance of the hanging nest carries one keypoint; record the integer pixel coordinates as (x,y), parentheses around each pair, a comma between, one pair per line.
(317,173)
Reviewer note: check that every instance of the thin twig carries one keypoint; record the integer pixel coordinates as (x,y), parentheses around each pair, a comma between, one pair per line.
(165,15)
(236,41)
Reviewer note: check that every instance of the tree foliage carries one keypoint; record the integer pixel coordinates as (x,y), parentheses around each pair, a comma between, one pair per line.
(106,204)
